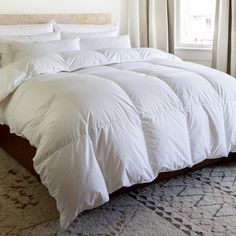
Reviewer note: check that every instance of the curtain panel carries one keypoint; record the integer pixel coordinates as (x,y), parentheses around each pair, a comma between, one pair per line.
(224,47)
(151,23)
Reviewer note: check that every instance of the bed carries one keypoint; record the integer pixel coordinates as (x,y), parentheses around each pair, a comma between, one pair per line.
(93,122)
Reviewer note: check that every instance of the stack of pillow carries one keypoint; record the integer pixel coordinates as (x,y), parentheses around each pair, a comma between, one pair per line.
(19,41)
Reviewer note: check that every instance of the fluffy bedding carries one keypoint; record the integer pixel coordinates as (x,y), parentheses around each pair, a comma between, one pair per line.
(105,119)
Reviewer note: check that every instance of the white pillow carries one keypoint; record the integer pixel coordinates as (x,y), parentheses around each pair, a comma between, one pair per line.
(6,55)
(103,43)
(77,28)
(33,29)
(106,34)
(21,50)
(30,38)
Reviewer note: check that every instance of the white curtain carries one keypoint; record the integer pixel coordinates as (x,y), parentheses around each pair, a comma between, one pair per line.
(151,23)
(224,47)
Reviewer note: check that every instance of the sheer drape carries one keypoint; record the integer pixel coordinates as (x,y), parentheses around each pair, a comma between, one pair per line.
(224,49)
(151,23)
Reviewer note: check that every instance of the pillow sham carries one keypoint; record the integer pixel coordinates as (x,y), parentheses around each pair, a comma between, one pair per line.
(6,55)
(78,28)
(29,38)
(103,43)
(107,34)
(21,50)
(33,29)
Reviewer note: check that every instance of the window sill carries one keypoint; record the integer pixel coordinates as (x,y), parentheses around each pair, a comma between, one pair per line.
(193,49)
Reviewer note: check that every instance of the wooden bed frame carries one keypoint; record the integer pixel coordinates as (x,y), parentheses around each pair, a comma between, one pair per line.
(20,148)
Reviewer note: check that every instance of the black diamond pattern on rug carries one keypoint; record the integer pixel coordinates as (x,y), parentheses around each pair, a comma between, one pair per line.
(199,203)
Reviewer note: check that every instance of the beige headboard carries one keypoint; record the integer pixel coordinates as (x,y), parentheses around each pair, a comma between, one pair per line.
(96,19)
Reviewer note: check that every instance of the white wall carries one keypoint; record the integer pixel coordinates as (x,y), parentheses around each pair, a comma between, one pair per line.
(62,6)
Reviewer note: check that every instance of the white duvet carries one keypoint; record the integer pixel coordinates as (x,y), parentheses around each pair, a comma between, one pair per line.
(105,119)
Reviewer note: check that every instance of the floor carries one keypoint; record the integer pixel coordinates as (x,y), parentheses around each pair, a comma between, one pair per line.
(199,203)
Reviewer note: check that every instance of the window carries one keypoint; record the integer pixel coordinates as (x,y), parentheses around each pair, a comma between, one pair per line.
(195,20)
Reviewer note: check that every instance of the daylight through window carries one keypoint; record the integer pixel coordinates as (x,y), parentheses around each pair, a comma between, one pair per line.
(195,23)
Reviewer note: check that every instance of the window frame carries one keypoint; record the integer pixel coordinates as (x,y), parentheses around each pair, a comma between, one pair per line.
(178,44)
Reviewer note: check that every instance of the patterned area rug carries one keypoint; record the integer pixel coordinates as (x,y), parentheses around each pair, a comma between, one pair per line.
(199,203)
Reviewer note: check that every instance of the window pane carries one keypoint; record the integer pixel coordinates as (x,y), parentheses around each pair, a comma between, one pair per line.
(197,22)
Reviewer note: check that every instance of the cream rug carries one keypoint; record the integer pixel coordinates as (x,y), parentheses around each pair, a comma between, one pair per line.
(200,203)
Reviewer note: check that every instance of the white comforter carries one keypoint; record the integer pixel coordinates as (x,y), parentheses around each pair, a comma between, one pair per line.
(112,118)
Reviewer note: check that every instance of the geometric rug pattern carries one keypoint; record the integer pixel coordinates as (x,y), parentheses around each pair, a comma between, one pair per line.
(199,203)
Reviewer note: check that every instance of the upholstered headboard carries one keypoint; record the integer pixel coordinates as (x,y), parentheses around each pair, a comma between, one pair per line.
(96,19)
